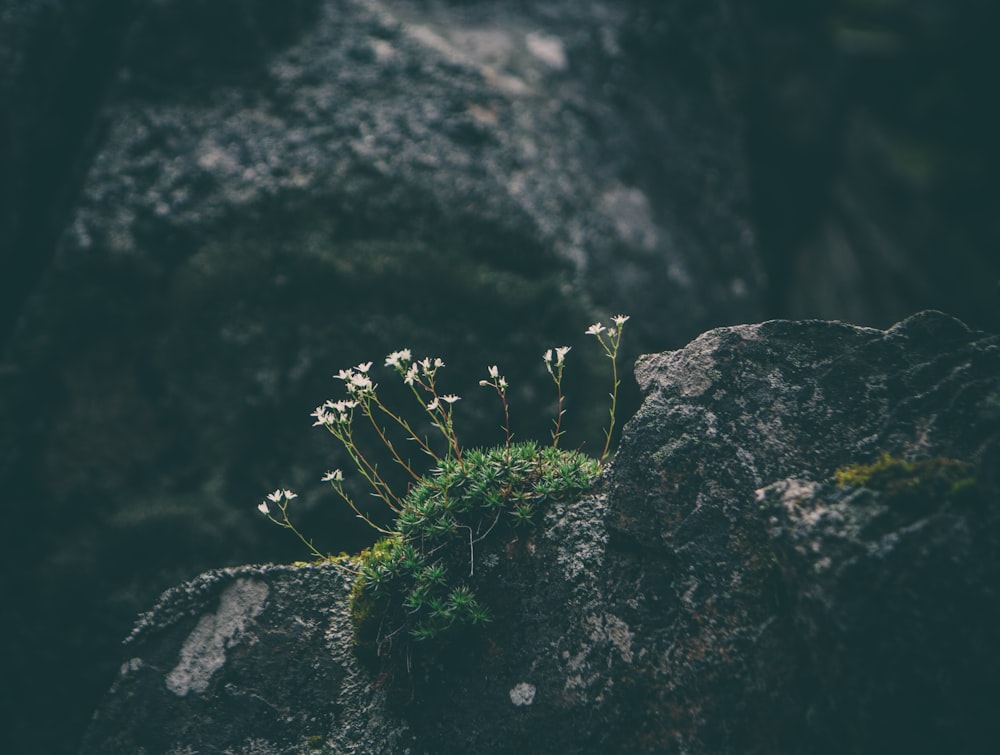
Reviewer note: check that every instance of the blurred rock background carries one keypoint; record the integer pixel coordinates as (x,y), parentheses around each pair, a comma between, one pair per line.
(207,208)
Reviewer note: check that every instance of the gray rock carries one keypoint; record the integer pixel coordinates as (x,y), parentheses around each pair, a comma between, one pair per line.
(213,206)
(716,593)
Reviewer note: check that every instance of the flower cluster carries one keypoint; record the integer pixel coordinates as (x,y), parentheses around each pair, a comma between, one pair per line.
(461,500)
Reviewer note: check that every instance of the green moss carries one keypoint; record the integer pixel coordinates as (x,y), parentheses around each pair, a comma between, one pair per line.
(420,582)
(912,483)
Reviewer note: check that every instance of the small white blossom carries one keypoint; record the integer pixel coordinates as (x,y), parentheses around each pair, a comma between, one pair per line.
(396,358)
(433,405)
(502,382)
(360,382)
(344,374)
(494,371)
(289,495)
(411,375)
(620,320)
(429,366)
(333,476)
(364,367)
(262,508)
(341,406)
(561,353)
(547,356)
(595,329)
(485,383)
(275,496)
(451,398)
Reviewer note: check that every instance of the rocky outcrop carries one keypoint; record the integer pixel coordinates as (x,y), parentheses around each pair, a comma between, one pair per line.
(720,590)
(206,208)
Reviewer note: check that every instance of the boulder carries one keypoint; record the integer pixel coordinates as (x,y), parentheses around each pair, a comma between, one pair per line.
(795,549)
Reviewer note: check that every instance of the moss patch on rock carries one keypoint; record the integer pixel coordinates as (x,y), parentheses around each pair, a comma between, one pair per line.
(912,488)
(421,581)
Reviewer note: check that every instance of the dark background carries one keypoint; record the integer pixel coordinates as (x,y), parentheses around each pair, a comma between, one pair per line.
(855,171)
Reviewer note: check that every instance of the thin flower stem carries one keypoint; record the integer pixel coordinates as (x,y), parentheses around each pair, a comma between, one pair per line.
(388,444)
(559,407)
(406,426)
(287,524)
(506,426)
(614,405)
(610,346)
(367,469)
(356,510)
(434,420)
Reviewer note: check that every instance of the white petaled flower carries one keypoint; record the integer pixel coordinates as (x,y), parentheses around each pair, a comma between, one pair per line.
(344,374)
(262,508)
(547,356)
(275,496)
(360,381)
(494,371)
(595,329)
(502,382)
(411,375)
(333,476)
(396,358)
(438,363)
(485,383)
(433,405)
(289,495)
(364,367)
(620,320)
(561,353)
(451,398)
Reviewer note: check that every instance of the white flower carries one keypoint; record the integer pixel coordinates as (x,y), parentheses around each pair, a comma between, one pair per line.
(364,367)
(289,495)
(561,353)
(502,382)
(396,358)
(433,405)
(429,366)
(451,398)
(360,382)
(411,375)
(620,320)
(262,508)
(485,383)
(333,476)
(275,496)
(344,374)
(595,329)
(494,371)
(547,356)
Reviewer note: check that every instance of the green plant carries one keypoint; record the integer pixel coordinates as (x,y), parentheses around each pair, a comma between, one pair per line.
(419,579)
(905,480)
(913,488)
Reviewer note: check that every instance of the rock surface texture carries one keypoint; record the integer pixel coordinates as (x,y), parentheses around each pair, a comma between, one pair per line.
(718,592)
